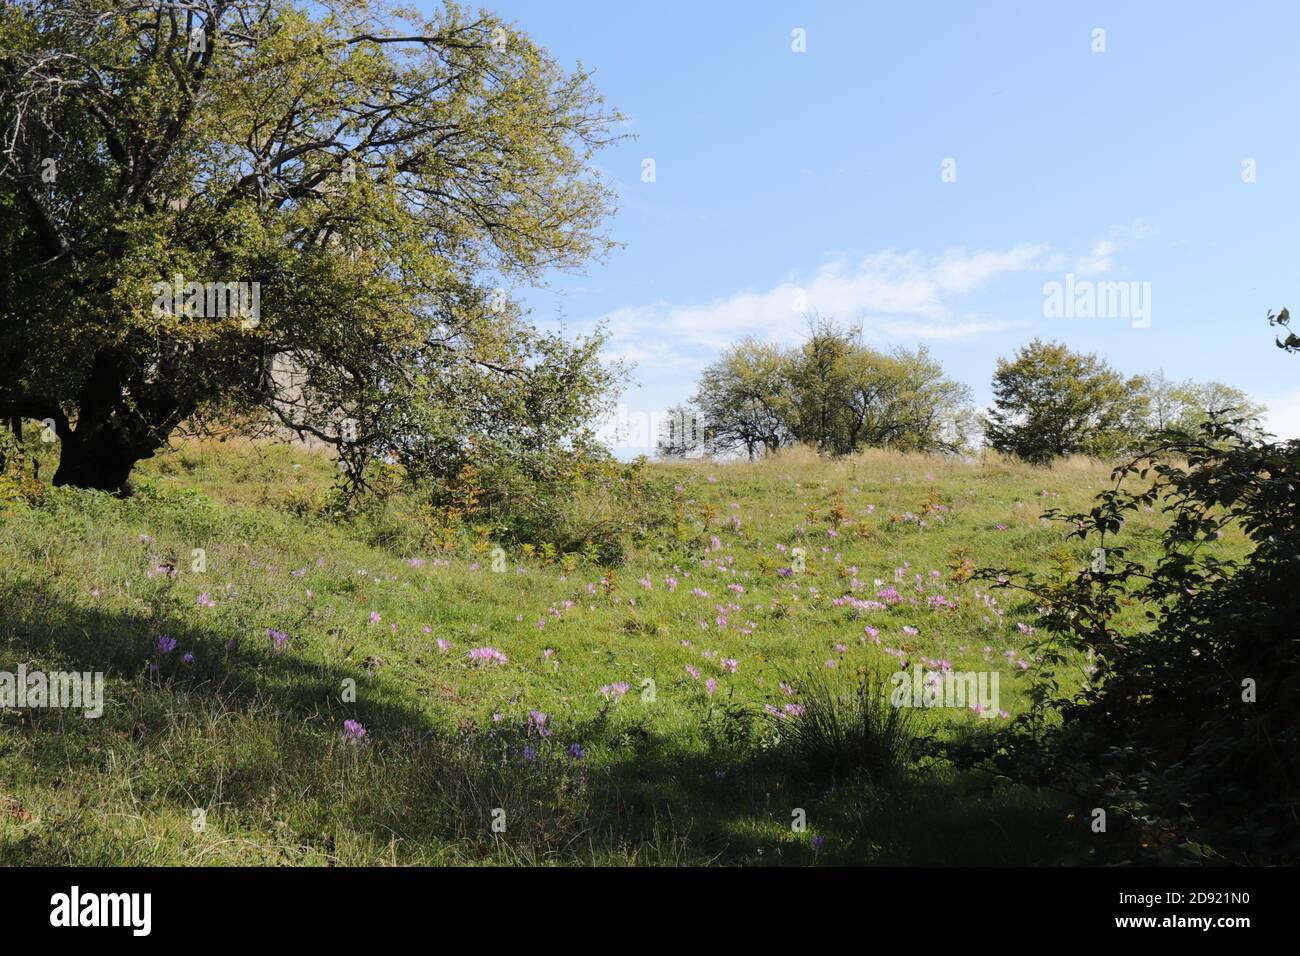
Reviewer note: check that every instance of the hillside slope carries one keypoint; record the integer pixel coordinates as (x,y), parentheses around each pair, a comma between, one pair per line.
(523,714)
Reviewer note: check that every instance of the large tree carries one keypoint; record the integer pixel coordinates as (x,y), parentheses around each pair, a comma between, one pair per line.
(846,396)
(743,399)
(1050,402)
(192,191)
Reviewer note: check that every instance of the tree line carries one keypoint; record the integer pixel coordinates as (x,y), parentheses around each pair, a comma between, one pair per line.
(835,393)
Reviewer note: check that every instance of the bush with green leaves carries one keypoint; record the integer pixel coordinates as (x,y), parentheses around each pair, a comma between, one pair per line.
(579,502)
(1188,728)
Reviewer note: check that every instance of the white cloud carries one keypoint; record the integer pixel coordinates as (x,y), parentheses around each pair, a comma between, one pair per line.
(898,296)
(959,272)
(1100,257)
(890,291)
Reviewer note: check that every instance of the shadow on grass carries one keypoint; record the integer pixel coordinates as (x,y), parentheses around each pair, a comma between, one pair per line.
(254,737)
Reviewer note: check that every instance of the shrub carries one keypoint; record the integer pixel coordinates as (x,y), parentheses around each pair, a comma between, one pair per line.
(18,481)
(1190,723)
(573,502)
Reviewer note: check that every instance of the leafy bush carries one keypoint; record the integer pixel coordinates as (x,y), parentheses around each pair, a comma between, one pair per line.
(578,502)
(1190,724)
(18,481)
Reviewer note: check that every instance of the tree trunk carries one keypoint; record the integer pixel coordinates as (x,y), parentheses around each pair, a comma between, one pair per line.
(108,439)
(101,458)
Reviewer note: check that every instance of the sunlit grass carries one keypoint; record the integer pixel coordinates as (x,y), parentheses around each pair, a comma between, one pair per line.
(654,747)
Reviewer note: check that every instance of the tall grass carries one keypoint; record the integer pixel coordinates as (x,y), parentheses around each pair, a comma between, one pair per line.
(847,727)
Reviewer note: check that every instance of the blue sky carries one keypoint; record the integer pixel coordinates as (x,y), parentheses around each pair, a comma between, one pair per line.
(820,171)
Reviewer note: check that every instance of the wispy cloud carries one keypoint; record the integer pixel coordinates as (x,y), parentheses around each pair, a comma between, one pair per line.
(899,297)
(894,294)
(1100,258)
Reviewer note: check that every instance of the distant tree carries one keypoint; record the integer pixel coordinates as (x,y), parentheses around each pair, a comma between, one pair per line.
(1050,402)
(744,399)
(930,411)
(188,190)
(847,396)
(1185,406)
(833,393)
(821,390)
(682,434)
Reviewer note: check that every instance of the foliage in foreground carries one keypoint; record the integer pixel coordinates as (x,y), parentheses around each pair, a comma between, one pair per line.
(1188,731)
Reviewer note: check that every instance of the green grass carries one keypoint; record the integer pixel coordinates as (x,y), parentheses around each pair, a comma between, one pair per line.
(253,735)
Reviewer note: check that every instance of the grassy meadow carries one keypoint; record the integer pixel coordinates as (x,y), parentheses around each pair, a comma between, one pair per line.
(510,709)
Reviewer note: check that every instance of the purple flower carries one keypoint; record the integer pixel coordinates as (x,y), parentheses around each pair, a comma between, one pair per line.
(615,691)
(166,644)
(487,655)
(530,754)
(353,729)
(280,637)
(537,722)
(818,842)
(576,751)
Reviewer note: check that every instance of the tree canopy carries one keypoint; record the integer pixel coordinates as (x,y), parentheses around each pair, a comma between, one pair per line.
(189,190)
(832,392)
(1050,402)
